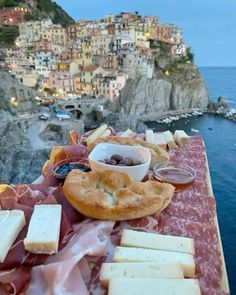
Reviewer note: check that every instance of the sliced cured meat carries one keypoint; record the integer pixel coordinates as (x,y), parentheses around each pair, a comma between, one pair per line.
(211,291)
(73,137)
(15,280)
(195,200)
(72,153)
(92,240)
(184,211)
(196,230)
(73,215)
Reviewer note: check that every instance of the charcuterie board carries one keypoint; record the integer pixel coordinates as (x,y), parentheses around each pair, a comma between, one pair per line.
(191,213)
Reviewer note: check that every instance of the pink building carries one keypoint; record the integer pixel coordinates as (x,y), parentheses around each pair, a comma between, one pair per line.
(12,15)
(62,82)
(43,45)
(109,87)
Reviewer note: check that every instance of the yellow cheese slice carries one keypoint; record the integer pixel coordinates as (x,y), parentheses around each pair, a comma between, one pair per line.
(141,239)
(140,270)
(44,230)
(125,286)
(130,254)
(11,223)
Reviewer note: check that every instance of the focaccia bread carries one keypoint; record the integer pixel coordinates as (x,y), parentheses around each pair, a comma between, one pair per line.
(114,195)
(158,154)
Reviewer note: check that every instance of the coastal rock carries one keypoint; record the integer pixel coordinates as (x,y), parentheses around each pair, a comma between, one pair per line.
(22,165)
(143,96)
(56,132)
(22,155)
(10,88)
(178,88)
(121,122)
(189,95)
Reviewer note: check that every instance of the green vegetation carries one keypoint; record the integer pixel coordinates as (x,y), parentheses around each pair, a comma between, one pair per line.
(45,5)
(8,34)
(57,14)
(3,103)
(190,55)
(32,16)
(8,3)
(164,46)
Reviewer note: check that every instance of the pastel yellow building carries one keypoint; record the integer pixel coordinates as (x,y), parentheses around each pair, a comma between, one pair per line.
(57,35)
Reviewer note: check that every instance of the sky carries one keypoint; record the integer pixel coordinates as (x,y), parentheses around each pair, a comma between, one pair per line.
(209,26)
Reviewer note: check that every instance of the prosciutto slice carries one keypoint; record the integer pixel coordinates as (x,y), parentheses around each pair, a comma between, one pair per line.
(90,240)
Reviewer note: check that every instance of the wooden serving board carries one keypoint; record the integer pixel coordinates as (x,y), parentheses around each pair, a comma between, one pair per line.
(224,279)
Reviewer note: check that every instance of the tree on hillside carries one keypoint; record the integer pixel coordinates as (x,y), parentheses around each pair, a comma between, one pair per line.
(9,3)
(190,54)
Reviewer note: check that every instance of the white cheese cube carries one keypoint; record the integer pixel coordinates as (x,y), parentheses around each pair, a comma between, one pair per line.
(159,139)
(149,136)
(127,133)
(106,133)
(44,230)
(118,286)
(97,133)
(181,138)
(140,270)
(169,139)
(130,254)
(140,239)
(11,223)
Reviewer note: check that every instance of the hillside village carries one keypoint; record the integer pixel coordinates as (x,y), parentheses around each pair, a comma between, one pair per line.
(90,57)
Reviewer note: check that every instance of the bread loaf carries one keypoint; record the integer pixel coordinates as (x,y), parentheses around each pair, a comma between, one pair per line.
(114,195)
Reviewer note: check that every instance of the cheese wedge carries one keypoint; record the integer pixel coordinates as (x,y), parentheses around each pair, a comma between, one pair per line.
(130,254)
(181,138)
(127,133)
(11,223)
(106,133)
(169,139)
(149,136)
(159,139)
(44,230)
(141,239)
(118,286)
(140,270)
(97,133)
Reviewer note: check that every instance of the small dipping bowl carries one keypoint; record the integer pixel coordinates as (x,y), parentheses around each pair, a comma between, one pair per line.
(61,169)
(178,174)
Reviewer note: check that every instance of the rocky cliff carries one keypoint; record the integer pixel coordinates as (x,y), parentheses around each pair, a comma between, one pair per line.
(176,84)
(18,163)
(23,153)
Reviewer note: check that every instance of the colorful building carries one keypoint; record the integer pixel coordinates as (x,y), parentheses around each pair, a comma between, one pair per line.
(57,35)
(109,87)
(12,15)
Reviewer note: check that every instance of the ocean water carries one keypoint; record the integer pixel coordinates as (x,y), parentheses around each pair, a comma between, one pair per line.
(220,81)
(219,135)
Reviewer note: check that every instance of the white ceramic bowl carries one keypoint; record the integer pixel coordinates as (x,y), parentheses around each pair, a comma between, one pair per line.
(105,150)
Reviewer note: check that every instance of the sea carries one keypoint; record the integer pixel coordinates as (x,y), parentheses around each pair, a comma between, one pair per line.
(219,135)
